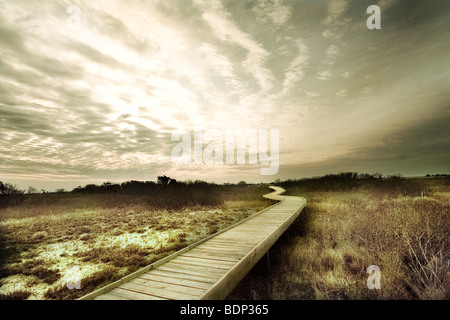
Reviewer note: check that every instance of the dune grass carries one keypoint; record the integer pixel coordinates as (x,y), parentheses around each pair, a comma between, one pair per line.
(345,229)
(106,236)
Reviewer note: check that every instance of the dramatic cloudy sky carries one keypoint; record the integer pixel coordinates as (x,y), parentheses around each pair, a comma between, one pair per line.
(98,101)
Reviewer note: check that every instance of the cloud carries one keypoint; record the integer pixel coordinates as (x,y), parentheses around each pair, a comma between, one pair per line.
(296,70)
(342,93)
(226,30)
(327,34)
(107,25)
(386,4)
(367,90)
(411,147)
(276,11)
(336,9)
(221,64)
(332,52)
(324,75)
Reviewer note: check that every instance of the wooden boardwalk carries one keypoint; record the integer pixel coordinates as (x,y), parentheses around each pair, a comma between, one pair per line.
(211,268)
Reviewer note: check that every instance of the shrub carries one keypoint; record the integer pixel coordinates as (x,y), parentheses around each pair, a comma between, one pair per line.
(18,295)
(10,195)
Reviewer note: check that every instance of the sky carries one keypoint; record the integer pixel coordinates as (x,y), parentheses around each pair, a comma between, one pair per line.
(92,91)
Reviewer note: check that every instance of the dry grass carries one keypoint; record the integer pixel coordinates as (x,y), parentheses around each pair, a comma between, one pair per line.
(326,252)
(107,236)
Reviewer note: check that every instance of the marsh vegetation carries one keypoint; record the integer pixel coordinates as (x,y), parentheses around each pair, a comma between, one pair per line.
(350,223)
(108,231)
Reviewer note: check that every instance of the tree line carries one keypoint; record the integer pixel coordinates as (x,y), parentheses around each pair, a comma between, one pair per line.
(142,187)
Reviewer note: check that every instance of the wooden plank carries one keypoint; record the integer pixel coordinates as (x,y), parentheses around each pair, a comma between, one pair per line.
(225,249)
(210,256)
(271,216)
(248,238)
(260,225)
(228,249)
(214,255)
(235,239)
(233,243)
(219,251)
(267,221)
(110,296)
(176,286)
(229,240)
(186,262)
(159,292)
(196,270)
(237,235)
(173,280)
(179,274)
(206,262)
(124,294)
(251,230)
(149,286)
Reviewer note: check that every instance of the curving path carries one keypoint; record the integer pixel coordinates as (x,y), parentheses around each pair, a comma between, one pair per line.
(211,268)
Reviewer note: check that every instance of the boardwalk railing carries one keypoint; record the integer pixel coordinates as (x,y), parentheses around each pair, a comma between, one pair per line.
(210,268)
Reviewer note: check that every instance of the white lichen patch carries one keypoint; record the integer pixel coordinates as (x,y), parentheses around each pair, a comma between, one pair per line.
(21,282)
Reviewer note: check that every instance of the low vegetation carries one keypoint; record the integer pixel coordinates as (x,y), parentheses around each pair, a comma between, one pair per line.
(350,223)
(108,231)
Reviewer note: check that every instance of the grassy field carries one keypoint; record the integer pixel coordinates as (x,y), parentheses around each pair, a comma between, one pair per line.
(106,236)
(400,225)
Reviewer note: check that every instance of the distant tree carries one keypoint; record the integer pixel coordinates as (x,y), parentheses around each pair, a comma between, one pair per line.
(111,187)
(348,175)
(10,195)
(163,180)
(78,189)
(242,183)
(9,189)
(61,190)
(32,190)
(378,175)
